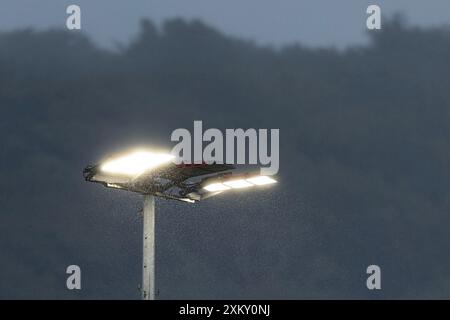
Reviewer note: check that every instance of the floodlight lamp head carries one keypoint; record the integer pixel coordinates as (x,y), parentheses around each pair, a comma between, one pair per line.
(155,173)
(229,182)
(135,163)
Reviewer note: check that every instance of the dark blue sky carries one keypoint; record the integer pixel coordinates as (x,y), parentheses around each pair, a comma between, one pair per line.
(312,22)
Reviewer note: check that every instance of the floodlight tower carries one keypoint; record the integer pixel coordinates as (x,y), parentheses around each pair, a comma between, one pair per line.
(154,174)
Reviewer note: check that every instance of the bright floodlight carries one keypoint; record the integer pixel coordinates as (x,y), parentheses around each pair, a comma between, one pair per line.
(213,187)
(238,184)
(261,180)
(135,163)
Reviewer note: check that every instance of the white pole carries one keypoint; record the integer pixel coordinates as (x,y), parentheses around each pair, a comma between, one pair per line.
(148,263)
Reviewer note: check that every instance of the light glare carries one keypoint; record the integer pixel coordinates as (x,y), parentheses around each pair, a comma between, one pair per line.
(237,184)
(135,163)
(213,187)
(261,180)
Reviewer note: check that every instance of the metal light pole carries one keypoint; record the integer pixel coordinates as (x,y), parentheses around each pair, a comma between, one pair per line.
(148,261)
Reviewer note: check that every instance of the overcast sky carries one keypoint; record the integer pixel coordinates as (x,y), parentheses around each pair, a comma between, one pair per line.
(312,22)
(364,176)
